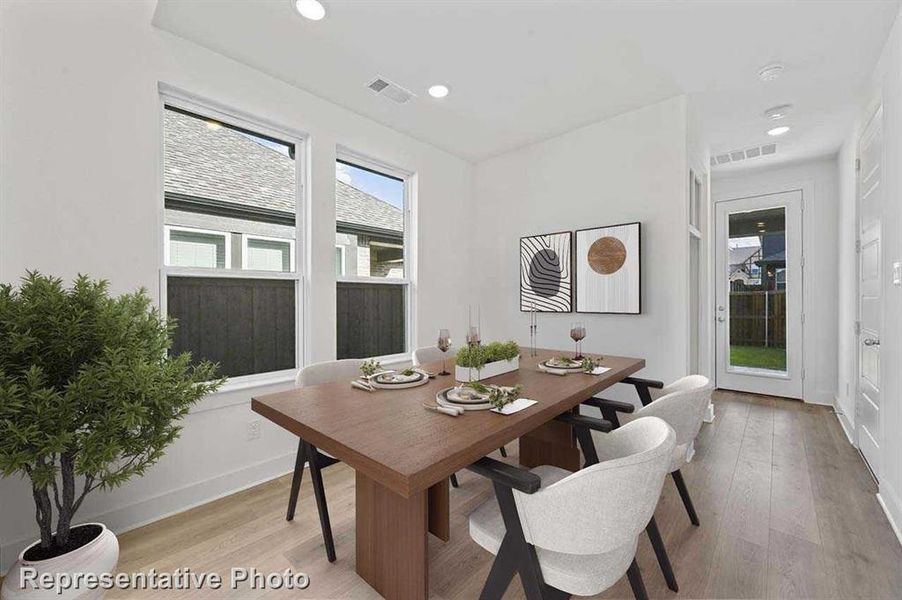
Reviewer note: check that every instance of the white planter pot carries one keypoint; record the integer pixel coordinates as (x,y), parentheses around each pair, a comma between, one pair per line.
(491,369)
(99,556)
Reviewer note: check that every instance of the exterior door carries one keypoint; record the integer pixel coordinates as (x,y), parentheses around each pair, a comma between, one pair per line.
(758,304)
(870,317)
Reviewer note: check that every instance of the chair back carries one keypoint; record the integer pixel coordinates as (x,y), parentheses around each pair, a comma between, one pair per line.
(430,354)
(329,371)
(682,405)
(607,505)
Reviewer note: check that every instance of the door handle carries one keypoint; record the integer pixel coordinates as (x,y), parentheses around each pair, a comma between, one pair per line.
(721,308)
(721,319)
(871,342)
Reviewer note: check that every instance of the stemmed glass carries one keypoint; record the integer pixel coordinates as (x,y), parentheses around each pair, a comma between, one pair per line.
(444,343)
(577,333)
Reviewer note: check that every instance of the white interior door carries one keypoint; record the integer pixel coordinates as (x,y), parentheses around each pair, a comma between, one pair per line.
(758,306)
(870,318)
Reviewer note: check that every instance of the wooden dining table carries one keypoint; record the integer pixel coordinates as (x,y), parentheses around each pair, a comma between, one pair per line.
(404,454)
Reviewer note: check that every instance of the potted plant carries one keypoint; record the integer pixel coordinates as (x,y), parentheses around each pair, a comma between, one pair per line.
(486,361)
(88,399)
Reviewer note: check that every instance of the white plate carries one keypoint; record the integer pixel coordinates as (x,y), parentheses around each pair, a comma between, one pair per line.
(400,382)
(552,363)
(441,399)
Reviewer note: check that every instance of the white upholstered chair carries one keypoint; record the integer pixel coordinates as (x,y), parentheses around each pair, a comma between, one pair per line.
(681,404)
(574,533)
(317,374)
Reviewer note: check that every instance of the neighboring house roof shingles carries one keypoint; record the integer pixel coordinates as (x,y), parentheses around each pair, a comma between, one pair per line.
(228,166)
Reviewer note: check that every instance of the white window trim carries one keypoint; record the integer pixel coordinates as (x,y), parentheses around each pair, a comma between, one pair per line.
(226,235)
(176,97)
(245,237)
(409,280)
(344,259)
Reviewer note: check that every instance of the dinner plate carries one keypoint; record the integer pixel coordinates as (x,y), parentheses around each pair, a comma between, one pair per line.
(395,381)
(552,363)
(448,397)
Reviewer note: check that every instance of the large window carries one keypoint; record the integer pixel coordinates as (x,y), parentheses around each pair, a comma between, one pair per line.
(371,266)
(230,240)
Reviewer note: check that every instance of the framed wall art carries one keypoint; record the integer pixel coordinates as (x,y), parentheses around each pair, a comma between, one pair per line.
(546,278)
(607,266)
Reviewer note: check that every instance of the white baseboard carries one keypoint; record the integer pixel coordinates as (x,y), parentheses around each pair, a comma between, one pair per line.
(844,421)
(892,507)
(148,510)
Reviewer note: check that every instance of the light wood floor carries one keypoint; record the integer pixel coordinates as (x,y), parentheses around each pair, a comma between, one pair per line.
(787,510)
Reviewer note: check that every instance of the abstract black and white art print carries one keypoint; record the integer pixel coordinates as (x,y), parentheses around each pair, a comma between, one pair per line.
(607,266)
(545,273)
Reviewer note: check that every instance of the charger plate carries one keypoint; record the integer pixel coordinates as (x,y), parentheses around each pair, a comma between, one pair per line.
(447,397)
(395,381)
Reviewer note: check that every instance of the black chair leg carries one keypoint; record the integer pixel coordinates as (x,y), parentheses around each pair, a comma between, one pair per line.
(503,570)
(454,480)
(318,491)
(684,494)
(296,481)
(503,451)
(635,577)
(661,552)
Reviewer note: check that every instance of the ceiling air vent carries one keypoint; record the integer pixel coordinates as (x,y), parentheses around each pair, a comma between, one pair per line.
(738,155)
(392,91)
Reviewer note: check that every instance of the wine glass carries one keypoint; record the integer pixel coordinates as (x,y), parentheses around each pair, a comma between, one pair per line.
(577,333)
(473,338)
(443,344)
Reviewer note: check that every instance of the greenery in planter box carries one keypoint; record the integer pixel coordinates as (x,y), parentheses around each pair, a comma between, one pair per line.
(88,395)
(476,357)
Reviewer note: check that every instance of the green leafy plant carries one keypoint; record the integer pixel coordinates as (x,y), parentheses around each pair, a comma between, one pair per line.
(589,364)
(479,388)
(564,360)
(88,395)
(476,357)
(407,372)
(370,367)
(499,396)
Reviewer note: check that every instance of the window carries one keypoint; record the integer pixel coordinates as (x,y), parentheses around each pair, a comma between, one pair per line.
(371,260)
(268,254)
(197,248)
(230,241)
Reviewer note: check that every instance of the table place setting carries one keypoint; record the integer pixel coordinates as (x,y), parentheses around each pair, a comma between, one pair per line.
(373,377)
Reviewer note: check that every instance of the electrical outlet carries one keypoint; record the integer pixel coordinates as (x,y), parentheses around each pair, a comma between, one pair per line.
(253,430)
(897,273)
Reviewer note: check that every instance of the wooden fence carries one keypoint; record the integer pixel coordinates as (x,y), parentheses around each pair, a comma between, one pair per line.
(758,318)
(370,319)
(245,325)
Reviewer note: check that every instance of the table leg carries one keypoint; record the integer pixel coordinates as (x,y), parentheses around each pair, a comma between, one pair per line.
(550,444)
(439,499)
(391,540)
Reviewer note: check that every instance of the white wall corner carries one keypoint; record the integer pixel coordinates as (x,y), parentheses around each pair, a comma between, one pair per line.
(844,420)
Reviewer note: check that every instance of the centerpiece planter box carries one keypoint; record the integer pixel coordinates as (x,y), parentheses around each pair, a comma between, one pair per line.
(492,369)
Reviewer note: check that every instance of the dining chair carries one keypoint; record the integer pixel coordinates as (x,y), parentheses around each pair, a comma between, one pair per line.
(573,533)
(316,374)
(681,404)
(430,354)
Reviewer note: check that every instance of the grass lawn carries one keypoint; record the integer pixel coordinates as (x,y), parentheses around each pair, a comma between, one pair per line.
(758,357)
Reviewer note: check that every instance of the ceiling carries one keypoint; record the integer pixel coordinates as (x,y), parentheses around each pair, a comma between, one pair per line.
(525,70)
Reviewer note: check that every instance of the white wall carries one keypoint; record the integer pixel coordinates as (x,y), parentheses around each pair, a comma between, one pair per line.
(80,151)
(886,89)
(820,221)
(629,168)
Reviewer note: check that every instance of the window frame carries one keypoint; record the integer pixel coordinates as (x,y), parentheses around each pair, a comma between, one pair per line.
(292,259)
(180,99)
(167,249)
(409,180)
(344,259)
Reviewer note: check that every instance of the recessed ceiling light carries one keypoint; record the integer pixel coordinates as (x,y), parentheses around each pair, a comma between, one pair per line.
(438,91)
(310,9)
(775,113)
(214,125)
(770,72)
(778,130)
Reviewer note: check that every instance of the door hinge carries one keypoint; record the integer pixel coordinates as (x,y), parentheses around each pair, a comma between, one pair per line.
(857,165)
(803,261)
(857,327)
(858,246)
(803,374)
(803,318)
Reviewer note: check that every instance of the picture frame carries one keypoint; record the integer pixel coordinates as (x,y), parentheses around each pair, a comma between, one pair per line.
(546,272)
(608,269)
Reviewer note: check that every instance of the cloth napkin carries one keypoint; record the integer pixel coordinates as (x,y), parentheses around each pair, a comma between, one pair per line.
(600,370)
(515,406)
(553,371)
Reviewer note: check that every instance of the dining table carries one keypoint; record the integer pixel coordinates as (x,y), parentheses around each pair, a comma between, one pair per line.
(404,454)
